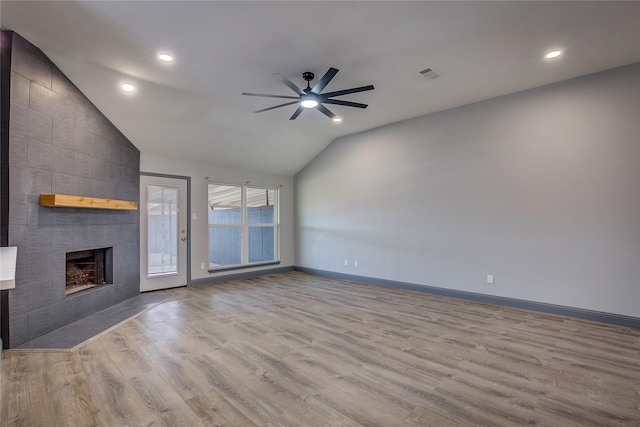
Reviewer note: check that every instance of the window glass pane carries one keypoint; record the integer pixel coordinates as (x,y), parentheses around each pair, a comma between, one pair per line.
(162,229)
(225,204)
(260,206)
(225,246)
(261,244)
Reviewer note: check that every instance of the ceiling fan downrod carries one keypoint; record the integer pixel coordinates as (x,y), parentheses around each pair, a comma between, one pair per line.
(308,76)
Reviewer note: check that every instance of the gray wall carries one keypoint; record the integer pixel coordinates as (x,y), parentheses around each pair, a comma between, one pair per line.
(540,188)
(60,143)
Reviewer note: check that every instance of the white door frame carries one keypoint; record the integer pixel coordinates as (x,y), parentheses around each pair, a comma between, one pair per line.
(183,278)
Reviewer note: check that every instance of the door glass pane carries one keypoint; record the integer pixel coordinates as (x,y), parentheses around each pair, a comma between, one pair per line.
(162,230)
(260,205)
(225,246)
(261,244)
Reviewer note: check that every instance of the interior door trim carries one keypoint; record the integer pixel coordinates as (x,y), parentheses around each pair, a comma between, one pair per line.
(188,179)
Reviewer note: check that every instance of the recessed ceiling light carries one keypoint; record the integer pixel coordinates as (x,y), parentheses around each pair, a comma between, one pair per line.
(128,87)
(337,119)
(165,57)
(552,54)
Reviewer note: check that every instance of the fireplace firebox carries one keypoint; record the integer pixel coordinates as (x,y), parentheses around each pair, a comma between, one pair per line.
(88,269)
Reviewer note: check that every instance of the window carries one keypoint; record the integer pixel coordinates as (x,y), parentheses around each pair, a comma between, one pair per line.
(243,225)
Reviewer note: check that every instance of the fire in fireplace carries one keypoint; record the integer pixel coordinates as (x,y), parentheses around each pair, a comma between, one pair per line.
(88,269)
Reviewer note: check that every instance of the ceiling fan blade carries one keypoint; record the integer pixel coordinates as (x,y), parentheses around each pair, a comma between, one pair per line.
(348,91)
(270,96)
(277,106)
(297,113)
(289,84)
(324,81)
(345,103)
(324,110)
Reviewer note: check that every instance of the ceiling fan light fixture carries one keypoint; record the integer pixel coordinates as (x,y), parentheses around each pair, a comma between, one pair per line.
(309,102)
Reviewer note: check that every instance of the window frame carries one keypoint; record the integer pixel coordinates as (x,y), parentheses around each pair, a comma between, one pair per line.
(245,226)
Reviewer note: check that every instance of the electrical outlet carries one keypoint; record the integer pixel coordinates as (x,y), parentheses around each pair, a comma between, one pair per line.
(346,261)
(202,266)
(489,278)
(355,263)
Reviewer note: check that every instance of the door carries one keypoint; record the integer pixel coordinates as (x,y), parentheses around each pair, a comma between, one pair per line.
(163,233)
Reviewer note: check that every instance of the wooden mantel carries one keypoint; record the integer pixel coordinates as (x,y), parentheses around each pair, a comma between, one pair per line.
(68,201)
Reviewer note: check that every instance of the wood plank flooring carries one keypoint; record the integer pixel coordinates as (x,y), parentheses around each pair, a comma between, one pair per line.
(299,350)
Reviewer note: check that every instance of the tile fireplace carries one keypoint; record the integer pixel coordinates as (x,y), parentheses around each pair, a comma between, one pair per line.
(72,262)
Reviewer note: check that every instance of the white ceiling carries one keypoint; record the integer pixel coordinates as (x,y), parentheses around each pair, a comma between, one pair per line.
(193,108)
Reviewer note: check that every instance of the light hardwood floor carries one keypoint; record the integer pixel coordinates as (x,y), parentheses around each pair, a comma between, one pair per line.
(299,350)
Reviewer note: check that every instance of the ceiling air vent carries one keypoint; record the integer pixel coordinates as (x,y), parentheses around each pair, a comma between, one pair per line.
(431,73)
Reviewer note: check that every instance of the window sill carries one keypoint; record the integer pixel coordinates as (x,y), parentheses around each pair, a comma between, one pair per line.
(243,266)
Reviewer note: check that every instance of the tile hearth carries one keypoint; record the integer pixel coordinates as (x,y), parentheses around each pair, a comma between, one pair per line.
(74,334)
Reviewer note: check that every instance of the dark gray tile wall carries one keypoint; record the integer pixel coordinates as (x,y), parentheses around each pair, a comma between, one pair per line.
(60,143)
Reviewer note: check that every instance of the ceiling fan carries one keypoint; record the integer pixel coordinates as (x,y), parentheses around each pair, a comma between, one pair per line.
(312,97)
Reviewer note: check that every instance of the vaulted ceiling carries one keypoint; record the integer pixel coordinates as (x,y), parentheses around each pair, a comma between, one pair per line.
(193,109)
